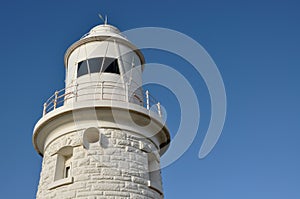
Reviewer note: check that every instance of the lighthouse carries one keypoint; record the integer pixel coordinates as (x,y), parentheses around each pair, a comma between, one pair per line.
(102,135)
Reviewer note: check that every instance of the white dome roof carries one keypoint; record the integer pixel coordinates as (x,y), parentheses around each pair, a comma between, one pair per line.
(104,30)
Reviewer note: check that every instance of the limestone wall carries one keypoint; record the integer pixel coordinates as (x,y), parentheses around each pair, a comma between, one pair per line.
(114,165)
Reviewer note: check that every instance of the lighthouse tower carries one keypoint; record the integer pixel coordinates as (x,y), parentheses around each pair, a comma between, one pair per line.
(101,136)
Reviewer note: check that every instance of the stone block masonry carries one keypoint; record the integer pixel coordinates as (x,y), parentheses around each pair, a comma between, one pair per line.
(114,166)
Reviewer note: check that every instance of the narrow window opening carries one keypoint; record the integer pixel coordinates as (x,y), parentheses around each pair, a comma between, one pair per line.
(63,163)
(63,168)
(67,171)
(67,166)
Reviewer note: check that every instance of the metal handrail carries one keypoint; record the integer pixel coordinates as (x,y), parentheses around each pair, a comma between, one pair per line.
(59,97)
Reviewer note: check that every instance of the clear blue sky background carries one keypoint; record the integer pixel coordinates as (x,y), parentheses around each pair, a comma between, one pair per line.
(256,45)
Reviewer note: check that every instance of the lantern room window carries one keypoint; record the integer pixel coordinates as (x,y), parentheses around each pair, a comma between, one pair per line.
(98,64)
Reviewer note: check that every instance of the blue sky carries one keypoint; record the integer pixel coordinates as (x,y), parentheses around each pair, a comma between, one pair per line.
(255,45)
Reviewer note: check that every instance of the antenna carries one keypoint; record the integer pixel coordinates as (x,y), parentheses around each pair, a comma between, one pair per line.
(104,20)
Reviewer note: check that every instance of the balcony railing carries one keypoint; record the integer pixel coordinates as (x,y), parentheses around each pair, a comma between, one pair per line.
(101,90)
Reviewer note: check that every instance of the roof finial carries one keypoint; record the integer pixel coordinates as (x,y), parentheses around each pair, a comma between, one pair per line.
(104,20)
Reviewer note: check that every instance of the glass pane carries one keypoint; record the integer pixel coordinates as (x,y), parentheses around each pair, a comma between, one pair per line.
(82,68)
(111,65)
(95,64)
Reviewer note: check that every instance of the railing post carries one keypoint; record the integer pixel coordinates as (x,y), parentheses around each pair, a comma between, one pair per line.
(76,92)
(45,109)
(126,93)
(147,100)
(101,90)
(158,109)
(55,100)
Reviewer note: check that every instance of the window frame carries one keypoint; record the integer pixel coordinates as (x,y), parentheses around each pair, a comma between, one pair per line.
(106,65)
(63,167)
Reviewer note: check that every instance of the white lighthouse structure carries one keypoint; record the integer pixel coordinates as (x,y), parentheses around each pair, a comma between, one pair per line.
(101,136)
